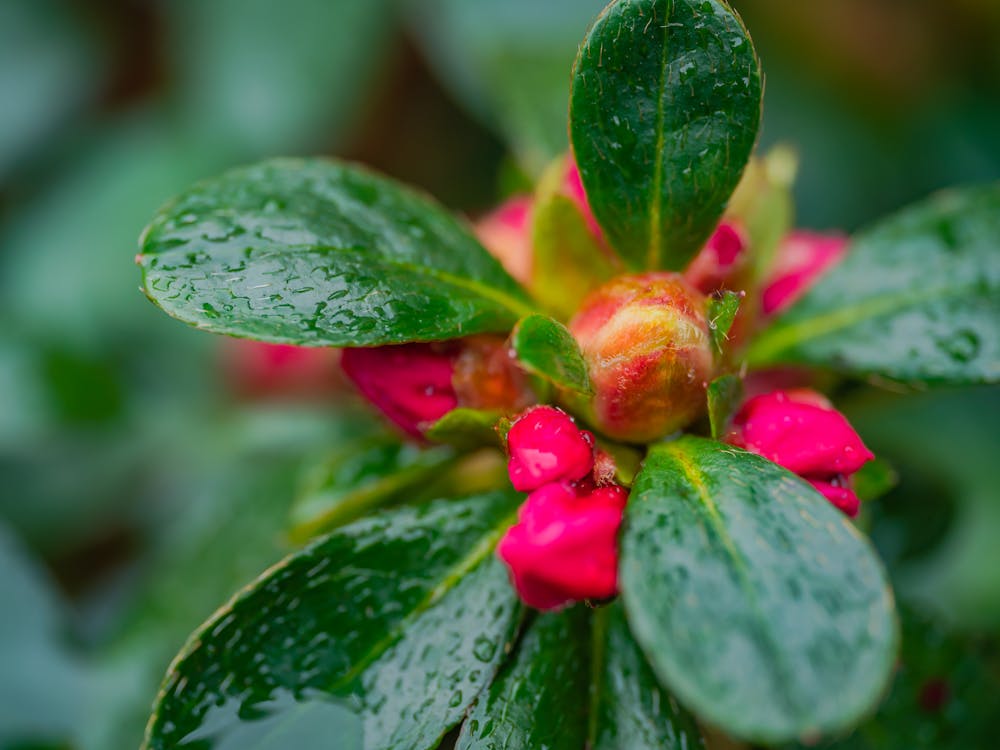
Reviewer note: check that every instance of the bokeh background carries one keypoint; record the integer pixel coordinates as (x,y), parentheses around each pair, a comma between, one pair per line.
(145,474)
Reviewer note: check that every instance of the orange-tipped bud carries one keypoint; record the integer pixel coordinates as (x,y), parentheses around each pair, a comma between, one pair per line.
(648,350)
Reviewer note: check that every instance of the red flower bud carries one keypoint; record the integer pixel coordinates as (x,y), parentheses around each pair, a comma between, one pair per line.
(410,383)
(487,376)
(802,258)
(801,431)
(573,188)
(564,547)
(546,446)
(506,234)
(648,351)
(720,262)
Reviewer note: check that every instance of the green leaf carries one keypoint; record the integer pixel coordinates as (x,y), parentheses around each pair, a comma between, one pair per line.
(357,479)
(874,479)
(721,316)
(401,619)
(629,709)
(546,348)
(568,258)
(318,253)
(539,699)
(763,204)
(664,111)
(757,603)
(466,428)
(724,396)
(916,299)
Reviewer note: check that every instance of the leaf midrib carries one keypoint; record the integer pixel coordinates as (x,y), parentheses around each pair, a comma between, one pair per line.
(714,519)
(453,576)
(515,306)
(772,342)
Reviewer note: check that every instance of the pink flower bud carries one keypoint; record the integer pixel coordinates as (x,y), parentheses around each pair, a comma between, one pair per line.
(649,355)
(564,547)
(259,370)
(506,234)
(410,383)
(719,264)
(546,446)
(801,431)
(802,258)
(573,188)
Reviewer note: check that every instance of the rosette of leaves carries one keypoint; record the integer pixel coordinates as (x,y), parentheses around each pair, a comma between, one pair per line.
(747,602)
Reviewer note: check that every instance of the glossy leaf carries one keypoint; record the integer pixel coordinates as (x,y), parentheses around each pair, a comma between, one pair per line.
(540,697)
(360,478)
(569,259)
(664,111)
(466,428)
(401,619)
(916,299)
(546,348)
(318,253)
(629,709)
(721,316)
(757,603)
(724,396)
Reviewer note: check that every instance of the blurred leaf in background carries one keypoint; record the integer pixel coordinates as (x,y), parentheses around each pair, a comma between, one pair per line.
(50,70)
(509,63)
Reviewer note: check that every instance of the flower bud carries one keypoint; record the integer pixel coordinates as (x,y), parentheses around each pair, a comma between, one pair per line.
(410,383)
(564,547)
(802,258)
(506,234)
(800,430)
(546,446)
(572,188)
(487,376)
(721,263)
(256,369)
(649,355)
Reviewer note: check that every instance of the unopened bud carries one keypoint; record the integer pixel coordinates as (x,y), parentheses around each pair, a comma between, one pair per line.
(648,350)
(546,446)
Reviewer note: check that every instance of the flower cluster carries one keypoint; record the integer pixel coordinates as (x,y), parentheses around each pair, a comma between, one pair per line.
(564,547)
(647,344)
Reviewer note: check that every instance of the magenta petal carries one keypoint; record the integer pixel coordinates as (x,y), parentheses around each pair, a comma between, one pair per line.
(840,494)
(546,446)
(802,258)
(410,383)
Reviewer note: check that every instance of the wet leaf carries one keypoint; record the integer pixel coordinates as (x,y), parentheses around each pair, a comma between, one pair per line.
(629,709)
(664,111)
(317,253)
(540,697)
(721,316)
(724,396)
(400,620)
(546,348)
(466,429)
(916,299)
(754,599)
(359,478)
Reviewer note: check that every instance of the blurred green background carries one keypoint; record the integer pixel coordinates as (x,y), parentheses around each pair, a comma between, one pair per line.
(140,485)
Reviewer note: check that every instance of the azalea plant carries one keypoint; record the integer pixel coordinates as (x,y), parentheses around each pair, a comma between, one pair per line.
(618,512)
